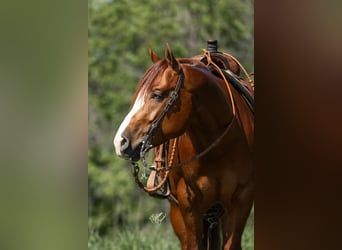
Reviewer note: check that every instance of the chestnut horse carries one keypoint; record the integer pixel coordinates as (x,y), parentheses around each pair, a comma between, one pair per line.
(208,127)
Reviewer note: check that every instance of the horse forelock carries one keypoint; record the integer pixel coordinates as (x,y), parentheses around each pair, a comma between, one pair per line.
(148,78)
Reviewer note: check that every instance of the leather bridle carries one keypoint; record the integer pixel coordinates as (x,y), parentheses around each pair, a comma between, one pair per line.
(146,145)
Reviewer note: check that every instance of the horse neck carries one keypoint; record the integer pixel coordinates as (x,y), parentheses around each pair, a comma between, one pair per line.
(212,113)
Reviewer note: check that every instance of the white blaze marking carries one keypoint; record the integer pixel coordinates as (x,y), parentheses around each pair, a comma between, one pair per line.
(139,102)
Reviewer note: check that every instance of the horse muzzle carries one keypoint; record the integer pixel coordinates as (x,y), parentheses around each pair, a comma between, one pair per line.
(125,149)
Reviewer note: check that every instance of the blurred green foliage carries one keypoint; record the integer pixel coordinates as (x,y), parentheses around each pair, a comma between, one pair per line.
(119,34)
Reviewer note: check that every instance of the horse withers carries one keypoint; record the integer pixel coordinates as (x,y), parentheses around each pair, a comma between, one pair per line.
(206,130)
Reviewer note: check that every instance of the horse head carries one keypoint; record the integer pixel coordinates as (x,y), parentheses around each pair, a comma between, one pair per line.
(159,110)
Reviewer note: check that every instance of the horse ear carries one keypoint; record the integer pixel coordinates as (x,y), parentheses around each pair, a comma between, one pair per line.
(171,58)
(154,57)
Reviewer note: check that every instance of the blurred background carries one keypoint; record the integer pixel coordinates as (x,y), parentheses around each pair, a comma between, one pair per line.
(44,182)
(120,215)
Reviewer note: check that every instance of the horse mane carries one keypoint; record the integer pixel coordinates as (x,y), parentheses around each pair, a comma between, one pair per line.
(149,76)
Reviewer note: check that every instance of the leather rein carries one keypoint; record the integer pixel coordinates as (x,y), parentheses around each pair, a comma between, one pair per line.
(161,168)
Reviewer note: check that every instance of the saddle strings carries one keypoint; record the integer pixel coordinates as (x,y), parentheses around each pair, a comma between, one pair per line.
(251,82)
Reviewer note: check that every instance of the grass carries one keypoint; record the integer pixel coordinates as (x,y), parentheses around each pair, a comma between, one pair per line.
(153,237)
(248,235)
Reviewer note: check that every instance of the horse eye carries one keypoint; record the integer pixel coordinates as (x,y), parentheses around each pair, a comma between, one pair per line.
(157,95)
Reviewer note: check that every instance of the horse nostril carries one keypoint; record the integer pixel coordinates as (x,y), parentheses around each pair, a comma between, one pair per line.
(124,143)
